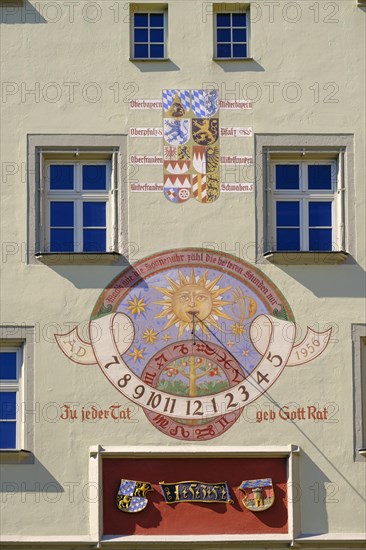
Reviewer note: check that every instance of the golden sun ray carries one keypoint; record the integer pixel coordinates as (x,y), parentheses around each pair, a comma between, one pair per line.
(192,297)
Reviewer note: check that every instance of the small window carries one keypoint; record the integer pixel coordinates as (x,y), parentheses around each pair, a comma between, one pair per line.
(306,214)
(149,35)
(78,206)
(77,198)
(10,398)
(231,35)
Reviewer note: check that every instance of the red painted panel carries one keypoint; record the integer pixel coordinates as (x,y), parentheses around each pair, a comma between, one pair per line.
(186,518)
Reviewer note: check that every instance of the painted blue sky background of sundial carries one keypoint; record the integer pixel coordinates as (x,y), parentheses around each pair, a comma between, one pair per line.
(141,351)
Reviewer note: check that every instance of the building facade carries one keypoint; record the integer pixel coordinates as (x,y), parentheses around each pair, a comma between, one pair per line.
(183,333)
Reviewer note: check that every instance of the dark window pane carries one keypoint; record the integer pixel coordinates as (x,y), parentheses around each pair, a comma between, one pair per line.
(320,214)
(223,35)
(320,176)
(94,177)
(287,176)
(239,50)
(288,213)
(157,35)
(223,20)
(156,20)
(62,240)
(320,239)
(141,20)
(94,240)
(62,214)
(61,176)
(239,35)
(8,365)
(141,35)
(223,50)
(157,51)
(8,405)
(288,239)
(239,19)
(94,214)
(141,51)
(7,435)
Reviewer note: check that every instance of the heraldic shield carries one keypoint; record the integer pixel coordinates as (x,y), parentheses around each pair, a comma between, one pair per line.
(131,496)
(259,494)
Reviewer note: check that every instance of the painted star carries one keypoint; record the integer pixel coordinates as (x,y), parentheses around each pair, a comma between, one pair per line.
(237,329)
(137,354)
(137,306)
(166,337)
(230,343)
(245,352)
(150,336)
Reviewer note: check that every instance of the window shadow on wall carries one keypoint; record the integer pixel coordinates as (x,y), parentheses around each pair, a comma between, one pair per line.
(33,481)
(155,66)
(20,12)
(313,491)
(247,66)
(327,281)
(95,276)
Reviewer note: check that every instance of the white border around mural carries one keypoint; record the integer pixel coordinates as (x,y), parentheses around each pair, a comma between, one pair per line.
(291,452)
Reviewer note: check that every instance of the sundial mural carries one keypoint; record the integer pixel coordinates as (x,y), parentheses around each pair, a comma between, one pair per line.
(192,337)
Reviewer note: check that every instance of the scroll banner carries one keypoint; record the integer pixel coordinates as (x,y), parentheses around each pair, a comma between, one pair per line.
(196,491)
(112,335)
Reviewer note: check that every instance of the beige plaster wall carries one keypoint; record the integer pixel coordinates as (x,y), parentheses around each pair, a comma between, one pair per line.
(330,53)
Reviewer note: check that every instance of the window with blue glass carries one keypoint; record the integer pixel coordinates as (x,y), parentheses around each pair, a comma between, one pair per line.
(231,35)
(288,225)
(149,35)
(304,205)
(78,207)
(94,226)
(320,225)
(10,387)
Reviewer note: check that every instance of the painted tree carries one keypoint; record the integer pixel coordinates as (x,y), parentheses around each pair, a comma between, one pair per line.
(193,369)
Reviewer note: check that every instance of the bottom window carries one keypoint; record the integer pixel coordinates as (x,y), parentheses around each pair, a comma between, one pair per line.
(304,224)
(320,225)
(71,230)
(10,389)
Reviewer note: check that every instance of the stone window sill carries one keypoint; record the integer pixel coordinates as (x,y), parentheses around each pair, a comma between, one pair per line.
(14,456)
(239,59)
(148,60)
(78,258)
(306,258)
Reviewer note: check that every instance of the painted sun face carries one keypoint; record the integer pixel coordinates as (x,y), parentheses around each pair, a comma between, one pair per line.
(192,298)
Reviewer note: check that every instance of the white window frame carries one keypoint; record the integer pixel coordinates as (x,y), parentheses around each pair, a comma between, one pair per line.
(314,147)
(303,195)
(77,147)
(359,390)
(16,386)
(230,11)
(152,9)
(78,196)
